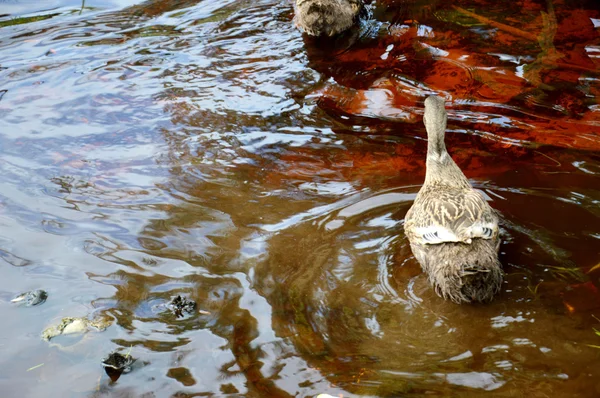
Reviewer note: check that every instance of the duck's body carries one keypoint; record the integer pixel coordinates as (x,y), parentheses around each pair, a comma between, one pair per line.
(453,232)
(326,17)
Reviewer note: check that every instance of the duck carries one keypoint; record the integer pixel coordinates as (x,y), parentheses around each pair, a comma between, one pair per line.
(453,232)
(326,17)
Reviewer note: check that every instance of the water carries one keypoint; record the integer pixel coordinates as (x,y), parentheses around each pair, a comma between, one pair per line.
(209,149)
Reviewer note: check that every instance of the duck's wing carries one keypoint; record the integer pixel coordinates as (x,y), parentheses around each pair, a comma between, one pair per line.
(450,216)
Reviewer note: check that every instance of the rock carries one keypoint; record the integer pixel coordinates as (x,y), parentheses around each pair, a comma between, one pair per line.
(29,299)
(116,364)
(181,305)
(71,325)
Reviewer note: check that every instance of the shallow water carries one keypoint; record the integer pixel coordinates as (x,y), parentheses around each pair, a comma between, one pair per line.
(207,148)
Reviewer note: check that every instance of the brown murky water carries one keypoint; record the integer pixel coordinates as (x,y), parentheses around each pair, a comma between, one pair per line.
(207,148)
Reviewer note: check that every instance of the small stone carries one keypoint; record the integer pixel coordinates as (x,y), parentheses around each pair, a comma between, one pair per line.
(116,364)
(71,325)
(180,305)
(29,299)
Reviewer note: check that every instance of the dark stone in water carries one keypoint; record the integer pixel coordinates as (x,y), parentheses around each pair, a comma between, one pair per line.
(180,305)
(115,364)
(29,299)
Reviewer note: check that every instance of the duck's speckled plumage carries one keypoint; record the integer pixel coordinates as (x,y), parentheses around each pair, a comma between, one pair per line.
(326,17)
(452,230)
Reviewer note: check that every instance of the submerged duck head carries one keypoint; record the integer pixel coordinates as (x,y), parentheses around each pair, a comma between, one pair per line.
(326,17)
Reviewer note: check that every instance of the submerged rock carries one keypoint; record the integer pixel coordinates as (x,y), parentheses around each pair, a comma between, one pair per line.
(116,364)
(71,325)
(327,17)
(29,299)
(181,305)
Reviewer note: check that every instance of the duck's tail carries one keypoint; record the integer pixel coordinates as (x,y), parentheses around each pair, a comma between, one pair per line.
(461,272)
